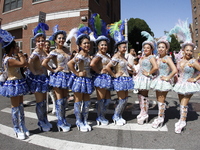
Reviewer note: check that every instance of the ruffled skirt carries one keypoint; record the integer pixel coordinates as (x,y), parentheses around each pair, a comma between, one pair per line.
(186,88)
(12,88)
(142,82)
(59,79)
(81,84)
(103,81)
(123,83)
(160,85)
(38,83)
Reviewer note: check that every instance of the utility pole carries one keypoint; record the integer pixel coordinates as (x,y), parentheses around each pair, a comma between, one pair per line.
(126,34)
(1,53)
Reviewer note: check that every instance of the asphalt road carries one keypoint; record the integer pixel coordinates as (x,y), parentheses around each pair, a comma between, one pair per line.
(130,136)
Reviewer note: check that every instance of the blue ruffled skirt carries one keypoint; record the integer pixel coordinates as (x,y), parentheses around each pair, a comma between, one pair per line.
(81,84)
(103,81)
(160,85)
(123,83)
(59,79)
(38,83)
(12,88)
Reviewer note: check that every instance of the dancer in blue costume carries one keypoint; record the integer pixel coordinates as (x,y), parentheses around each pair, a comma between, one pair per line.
(162,83)
(59,76)
(81,80)
(37,79)
(143,79)
(15,85)
(122,82)
(102,80)
(187,67)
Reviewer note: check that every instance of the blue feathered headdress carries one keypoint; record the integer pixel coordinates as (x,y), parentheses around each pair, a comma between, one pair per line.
(165,39)
(150,39)
(99,28)
(40,30)
(116,32)
(56,31)
(182,31)
(5,38)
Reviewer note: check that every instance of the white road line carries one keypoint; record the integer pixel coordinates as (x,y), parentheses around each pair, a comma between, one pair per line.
(58,144)
(128,126)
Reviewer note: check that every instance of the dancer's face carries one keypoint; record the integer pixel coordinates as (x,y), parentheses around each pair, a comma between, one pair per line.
(40,42)
(188,51)
(122,48)
(147,49)
(85,44)
(103,47)
(162,49)
(60,39)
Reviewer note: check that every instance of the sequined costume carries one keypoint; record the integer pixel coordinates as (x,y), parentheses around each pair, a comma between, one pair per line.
(38,83)
(183,86)
(15,85)
(60,79)
(123,82)
(141,81)
(164,70)
(82,84)
(103,80)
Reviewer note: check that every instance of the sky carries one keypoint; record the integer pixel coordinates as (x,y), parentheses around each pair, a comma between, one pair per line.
(160,15)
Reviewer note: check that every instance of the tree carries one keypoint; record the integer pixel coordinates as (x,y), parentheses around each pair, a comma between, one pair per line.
(174,45)
(135,27)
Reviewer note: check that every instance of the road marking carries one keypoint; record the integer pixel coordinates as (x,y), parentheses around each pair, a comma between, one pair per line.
(53,143)
(128,126)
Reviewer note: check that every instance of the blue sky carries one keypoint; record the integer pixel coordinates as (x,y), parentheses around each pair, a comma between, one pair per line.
(160,15)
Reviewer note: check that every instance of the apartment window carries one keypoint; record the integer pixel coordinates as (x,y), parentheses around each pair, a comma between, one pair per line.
(19,43)
(11,4)
(195,9)
(36,0)
(195,21)
(108,9)
(196,43)
(196,32)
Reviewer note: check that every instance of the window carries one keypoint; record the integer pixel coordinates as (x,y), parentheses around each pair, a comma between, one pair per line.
(195,21)
(36,0)
(196,32)
(195,9)
(12,4)
(19,43)
(196,43)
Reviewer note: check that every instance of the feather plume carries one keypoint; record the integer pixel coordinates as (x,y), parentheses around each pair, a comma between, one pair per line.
(114,27)
(72,33)
(147,35)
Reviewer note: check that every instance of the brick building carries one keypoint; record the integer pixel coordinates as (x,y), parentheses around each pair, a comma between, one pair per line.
(20,17)
(195,26)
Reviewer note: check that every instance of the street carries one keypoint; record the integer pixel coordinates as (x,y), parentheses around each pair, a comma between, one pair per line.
(128,137)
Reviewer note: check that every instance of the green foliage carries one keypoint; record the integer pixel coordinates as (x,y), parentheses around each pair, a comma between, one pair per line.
(135,27)
(174,45)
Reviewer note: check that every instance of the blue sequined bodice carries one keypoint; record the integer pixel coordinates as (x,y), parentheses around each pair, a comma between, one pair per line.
(164,69)
(145,64)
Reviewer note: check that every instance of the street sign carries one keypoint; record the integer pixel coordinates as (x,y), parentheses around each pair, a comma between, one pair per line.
(42,17)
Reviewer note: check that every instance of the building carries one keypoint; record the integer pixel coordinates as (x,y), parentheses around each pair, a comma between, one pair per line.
(195,26)
(20,17)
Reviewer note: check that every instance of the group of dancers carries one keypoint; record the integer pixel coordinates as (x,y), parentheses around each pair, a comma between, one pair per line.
(111,73)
